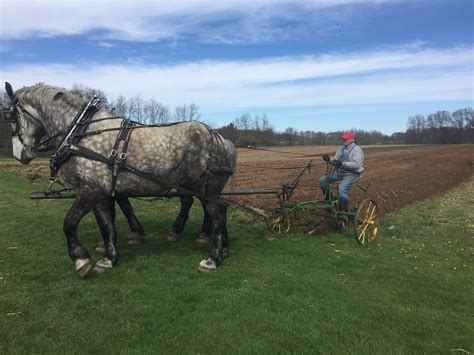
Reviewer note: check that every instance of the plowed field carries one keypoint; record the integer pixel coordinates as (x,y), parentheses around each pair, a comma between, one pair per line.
(400,175)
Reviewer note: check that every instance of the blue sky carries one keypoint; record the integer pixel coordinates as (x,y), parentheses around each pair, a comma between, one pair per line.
(312,65)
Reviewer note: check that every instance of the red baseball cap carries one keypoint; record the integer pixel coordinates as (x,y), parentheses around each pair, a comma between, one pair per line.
(348,135)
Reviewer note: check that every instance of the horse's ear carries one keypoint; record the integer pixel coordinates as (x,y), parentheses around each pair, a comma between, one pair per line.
(9,90)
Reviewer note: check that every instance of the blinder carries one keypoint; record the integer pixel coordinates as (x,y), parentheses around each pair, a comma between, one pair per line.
(17,113)
(8,114)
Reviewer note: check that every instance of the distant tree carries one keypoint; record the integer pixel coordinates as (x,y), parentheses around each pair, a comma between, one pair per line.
(120,106)
(155,112)
(415,129)
(462,120)
(4,99)
(193,112)
(180,113)
(243,122)
(136,107)
(290,134)
(5,130)
(230,132)
(87,93)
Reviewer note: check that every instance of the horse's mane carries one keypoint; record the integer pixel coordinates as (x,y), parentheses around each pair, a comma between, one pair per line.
(45,95)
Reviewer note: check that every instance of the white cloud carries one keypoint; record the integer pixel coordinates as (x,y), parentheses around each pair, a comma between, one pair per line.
(403,75)
(148,20)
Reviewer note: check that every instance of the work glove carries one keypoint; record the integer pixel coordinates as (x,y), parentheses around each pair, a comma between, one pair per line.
(337,163)
(326,158)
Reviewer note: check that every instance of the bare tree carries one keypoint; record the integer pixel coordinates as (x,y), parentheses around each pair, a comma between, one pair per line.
(415,128)
(156,112)
(256,123)
(193,112)
(180,113)
(463,121)
(87,93)
(120,106)
(243,122)
(290,133)
(462,117)
(135,109)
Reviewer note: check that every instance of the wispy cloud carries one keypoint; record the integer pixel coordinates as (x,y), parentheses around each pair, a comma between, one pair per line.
(402,75)
(225,21)
(106,44)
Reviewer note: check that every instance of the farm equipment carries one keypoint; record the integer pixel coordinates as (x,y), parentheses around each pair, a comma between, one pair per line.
(362,218)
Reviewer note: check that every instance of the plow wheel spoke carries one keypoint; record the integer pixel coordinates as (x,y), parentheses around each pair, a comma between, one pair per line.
(366,224)
(279,223)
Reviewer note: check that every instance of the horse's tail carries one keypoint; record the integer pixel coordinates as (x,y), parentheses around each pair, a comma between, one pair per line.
(231,153)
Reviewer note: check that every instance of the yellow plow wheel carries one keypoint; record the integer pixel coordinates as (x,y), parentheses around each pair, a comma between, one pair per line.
(280,223)
(366,224)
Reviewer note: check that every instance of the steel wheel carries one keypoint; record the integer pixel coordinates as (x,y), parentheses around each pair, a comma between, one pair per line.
(366,224)
(279,222)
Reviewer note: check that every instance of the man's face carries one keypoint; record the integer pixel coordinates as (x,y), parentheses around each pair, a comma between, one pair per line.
(348,141)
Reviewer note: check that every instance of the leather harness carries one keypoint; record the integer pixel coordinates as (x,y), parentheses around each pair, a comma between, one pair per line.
(117,159)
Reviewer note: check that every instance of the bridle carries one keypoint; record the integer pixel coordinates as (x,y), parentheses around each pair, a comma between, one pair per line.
(21,120)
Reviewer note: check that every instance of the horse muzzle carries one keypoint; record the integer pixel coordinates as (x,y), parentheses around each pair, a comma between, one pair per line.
(20,153)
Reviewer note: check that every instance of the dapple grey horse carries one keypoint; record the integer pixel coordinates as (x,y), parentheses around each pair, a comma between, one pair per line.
(188,156)
(177,228)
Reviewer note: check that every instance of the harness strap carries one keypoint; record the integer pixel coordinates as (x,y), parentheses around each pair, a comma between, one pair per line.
(116,160)
(221,170)
(168,186)
(64,150)
(84,152)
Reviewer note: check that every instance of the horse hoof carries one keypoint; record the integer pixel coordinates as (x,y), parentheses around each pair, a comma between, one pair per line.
(172,236)
(207,265)
(100,248)
(134,240)
(82,266)
(203,239)
(103,265)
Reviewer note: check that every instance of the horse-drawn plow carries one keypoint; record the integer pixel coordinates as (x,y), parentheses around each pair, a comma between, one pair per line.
(108,159)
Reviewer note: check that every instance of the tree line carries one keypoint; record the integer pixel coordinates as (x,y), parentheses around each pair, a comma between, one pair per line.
(248,130)
(139,109)
(441,127)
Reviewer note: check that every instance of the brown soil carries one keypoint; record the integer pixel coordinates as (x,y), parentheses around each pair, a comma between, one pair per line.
(400,175)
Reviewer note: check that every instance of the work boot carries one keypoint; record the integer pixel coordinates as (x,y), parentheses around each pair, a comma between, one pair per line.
(343,204)
(327,195)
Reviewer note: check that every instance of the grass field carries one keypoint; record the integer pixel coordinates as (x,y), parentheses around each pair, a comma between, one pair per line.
(410,292)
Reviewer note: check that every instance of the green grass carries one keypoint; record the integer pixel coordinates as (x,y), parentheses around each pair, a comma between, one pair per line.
(410,292)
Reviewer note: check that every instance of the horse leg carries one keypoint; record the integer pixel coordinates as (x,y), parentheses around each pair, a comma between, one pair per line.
(206,228)
(100,247)
(225,236)
(179,223)
(220,241)
(79,255)
(138,234)
(105,215)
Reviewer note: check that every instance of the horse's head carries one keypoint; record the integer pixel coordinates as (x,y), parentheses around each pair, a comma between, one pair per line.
(27,129)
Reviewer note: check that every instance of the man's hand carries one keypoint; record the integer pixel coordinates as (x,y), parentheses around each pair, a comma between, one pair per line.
(326,158)
(337,163)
